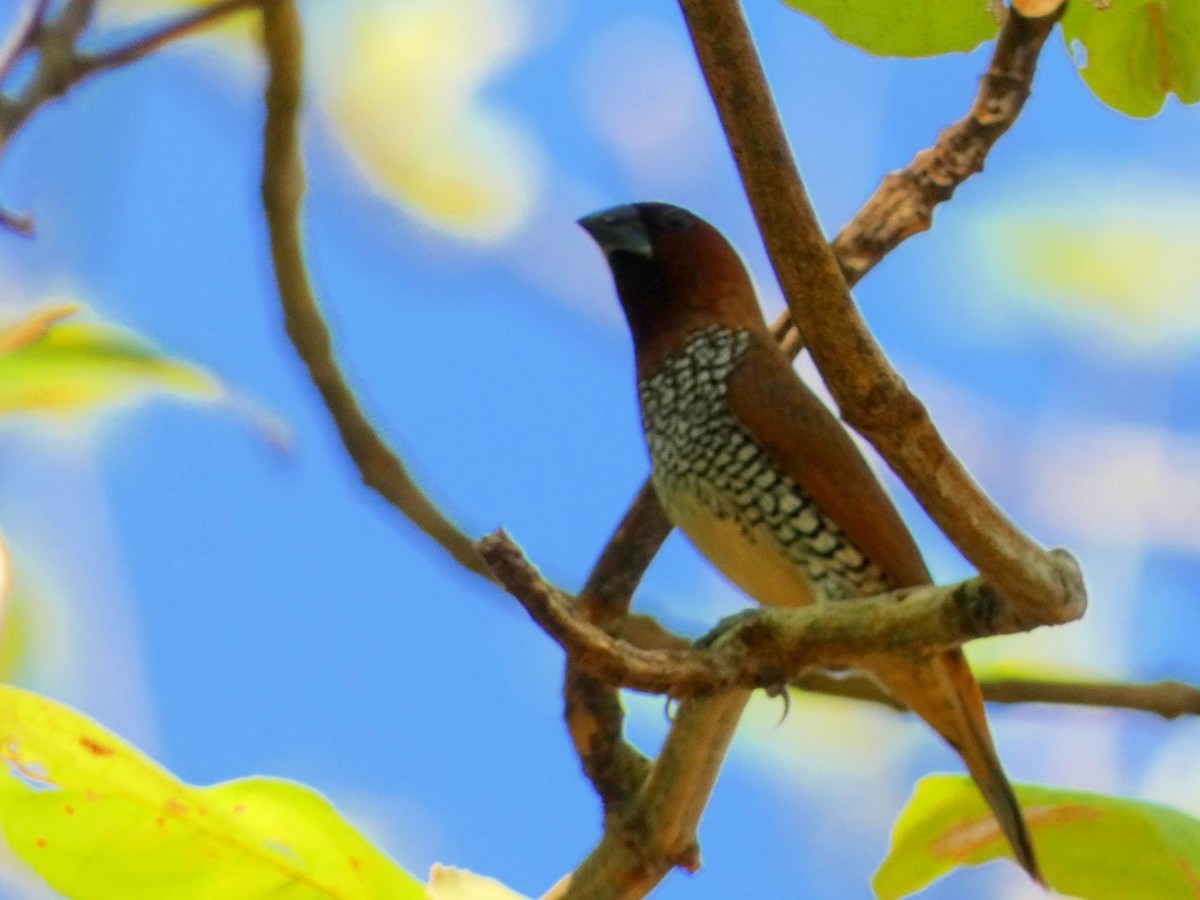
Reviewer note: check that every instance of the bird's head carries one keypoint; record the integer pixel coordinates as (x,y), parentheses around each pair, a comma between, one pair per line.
(674,272)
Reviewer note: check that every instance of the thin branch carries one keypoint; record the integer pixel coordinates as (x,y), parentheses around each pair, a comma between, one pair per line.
(61,65)
(283,185)
(74,19)
(1046,587)
(165,34)
(1168,699)
(626,556)
(17,223)
(593,711)
(657,832)
(903,205)
(23,36)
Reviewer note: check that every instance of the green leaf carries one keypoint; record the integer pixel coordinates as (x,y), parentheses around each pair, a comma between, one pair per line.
(912,28)
(79,366)
(1138,51)
(97,819)
(1089,845)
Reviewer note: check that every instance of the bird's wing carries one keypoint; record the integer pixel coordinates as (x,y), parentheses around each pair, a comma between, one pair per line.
(807,443)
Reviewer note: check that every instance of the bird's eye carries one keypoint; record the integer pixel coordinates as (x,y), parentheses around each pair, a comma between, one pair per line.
(675,219)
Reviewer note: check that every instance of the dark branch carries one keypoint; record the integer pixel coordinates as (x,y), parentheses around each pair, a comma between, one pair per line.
(23,37)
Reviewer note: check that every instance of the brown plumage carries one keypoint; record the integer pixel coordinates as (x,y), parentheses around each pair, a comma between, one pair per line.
(761,477)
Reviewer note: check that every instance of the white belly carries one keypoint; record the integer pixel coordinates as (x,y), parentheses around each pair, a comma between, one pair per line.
(753,560)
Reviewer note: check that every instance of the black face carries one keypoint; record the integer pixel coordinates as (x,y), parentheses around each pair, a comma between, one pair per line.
(634,229)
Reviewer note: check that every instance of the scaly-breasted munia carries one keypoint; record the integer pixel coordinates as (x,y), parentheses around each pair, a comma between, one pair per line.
(761,477)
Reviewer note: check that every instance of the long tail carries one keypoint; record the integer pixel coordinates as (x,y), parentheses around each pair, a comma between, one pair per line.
(944,693)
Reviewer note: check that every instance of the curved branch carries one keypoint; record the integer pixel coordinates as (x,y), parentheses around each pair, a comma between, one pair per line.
(283,185)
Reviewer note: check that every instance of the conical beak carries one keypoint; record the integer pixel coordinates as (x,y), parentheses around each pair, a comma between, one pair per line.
(619,230)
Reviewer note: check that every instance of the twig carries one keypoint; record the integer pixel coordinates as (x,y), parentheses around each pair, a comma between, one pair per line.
(657,833)
(595,717)
(1046,587)
(17,223)
(61,65)
(903,205)
(23,36)
(165,34)
(74,20)
(1168,699)
(283,185)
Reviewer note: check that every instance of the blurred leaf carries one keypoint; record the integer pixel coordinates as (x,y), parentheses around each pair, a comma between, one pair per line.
(34,326)
(1090,845)
(97,819)
(13,620)
(1137,52)
(75,367)
(914,28)
(406,98)
(449,883)
(1123,254)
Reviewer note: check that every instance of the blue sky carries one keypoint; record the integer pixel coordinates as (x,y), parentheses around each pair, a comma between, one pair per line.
(234,609)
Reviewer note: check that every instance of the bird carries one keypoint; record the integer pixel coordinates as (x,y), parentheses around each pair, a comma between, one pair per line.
(762,478)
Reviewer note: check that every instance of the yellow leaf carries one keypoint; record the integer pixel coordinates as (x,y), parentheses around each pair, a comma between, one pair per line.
(73,368)
(406,101)
(97,819)
(1089,845)
(34,326)
(1121,258)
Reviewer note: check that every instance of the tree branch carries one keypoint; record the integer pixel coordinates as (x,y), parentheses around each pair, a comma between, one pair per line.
(1168,699)
(593,711)
(760,647)
(163,35)
(23,36)
(1045,587)
(283,185)
(61,65)
(903,205)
